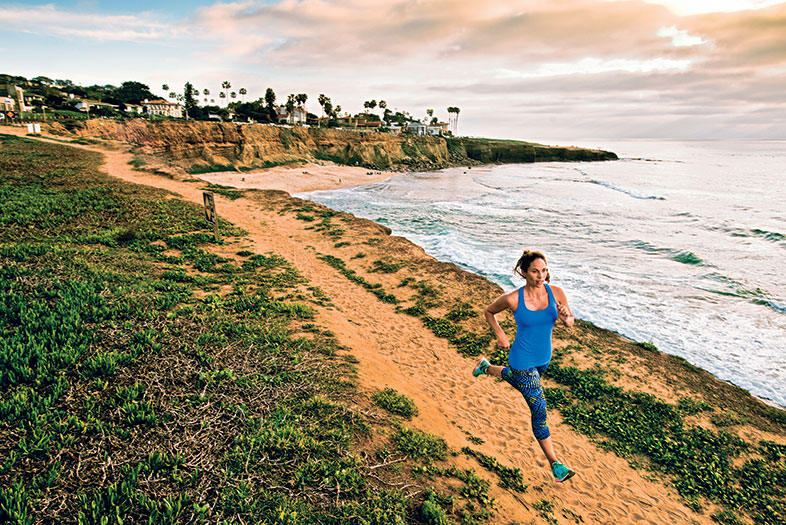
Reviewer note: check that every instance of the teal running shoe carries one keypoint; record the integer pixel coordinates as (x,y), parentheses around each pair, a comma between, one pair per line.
(481,367)
(561,472)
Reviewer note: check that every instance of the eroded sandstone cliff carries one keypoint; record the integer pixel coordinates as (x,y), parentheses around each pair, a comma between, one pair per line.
(208,146)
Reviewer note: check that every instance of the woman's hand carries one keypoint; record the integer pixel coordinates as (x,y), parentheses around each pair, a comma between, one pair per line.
(564,314)
(503,342)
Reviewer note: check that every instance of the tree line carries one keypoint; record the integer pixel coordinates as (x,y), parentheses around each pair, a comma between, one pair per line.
(201,104)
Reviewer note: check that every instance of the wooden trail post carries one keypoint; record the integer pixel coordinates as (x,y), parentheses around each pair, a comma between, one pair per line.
(210,212)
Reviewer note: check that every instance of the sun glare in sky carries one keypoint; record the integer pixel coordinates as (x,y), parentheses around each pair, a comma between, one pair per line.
(696,7)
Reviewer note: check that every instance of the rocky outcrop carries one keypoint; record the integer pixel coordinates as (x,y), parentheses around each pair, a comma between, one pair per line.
(510,151)
(210,146)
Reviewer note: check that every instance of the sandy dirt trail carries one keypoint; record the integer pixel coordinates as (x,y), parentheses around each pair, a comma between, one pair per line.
(397,351)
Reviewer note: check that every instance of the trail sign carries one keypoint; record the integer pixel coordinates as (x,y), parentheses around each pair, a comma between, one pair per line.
(210,211)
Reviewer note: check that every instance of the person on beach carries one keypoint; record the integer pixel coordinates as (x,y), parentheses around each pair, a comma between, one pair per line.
(536,306)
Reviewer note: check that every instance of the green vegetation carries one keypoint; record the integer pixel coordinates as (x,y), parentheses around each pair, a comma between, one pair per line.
(350,274)
(546,510)
(181,383)
(310,213)
(420,445)
(395,403)
(227,191)
(702,463)
(382,266)
(510,478)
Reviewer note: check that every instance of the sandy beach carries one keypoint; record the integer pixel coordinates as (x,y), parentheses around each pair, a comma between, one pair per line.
(301,178)
(396,350)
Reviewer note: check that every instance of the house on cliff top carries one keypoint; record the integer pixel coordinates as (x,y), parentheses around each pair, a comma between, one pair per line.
(163,108)
(12,98)
(298,115)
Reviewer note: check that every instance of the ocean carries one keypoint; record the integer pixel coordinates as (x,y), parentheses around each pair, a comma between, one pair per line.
(681,244)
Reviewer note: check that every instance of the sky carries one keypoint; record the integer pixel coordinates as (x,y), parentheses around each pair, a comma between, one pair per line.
(540,70)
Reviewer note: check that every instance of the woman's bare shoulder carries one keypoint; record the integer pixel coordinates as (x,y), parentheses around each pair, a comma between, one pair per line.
(504,301)
(558,292)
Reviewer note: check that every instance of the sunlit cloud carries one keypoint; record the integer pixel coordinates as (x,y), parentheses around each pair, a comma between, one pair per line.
(698,7)
(592,65)
(48,20)
(680,37)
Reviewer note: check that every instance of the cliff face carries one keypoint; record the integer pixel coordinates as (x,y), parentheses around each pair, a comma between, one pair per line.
(508,151)
(207,146)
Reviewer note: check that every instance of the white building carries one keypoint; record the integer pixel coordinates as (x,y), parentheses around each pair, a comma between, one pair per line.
(439,128)
(85,105)
(298,115)
(163,108)
(417,128)
(14,94)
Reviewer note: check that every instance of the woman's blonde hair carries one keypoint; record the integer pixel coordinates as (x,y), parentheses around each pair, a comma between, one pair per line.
(526,259)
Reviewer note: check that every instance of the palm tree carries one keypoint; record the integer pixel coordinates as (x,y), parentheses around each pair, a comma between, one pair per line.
(172,94)
(243,93)
(222,95)
(301,101)
(290,105)
(453,118)
(233,95)
(206,92)
(225,85)
(430,113)
(322,99)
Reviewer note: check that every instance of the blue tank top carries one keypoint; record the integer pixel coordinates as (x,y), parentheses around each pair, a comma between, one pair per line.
(532,346)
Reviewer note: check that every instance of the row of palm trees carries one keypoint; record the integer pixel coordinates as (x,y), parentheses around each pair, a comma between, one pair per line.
(222,95)
(299,101)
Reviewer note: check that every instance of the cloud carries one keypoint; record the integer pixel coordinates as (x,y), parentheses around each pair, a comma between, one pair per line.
(694,7)
(585,55)
(48,20)
(680,37)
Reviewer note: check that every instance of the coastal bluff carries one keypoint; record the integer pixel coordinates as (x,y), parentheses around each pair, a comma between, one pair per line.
(200,147)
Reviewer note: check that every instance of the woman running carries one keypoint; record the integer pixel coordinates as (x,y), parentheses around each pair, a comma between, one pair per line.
(536,306)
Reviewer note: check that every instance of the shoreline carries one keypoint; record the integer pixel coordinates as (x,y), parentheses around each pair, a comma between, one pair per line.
(298,179)
(326,175)
(330,176)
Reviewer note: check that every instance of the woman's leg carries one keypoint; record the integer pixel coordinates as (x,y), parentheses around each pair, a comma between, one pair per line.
(495,371)
(548,449)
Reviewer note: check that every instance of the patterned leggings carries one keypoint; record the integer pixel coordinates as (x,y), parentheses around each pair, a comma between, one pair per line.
(528,383)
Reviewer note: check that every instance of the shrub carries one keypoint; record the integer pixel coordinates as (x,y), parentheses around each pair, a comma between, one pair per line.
(433,514)
(420,445)
(395,403)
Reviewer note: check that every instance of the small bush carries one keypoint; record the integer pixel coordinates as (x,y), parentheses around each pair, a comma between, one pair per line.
(433,514)
(385,267)
(689,406)
(420,445)
(395,403)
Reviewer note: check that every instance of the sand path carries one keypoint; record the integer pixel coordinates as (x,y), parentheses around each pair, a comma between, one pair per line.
(398,351)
